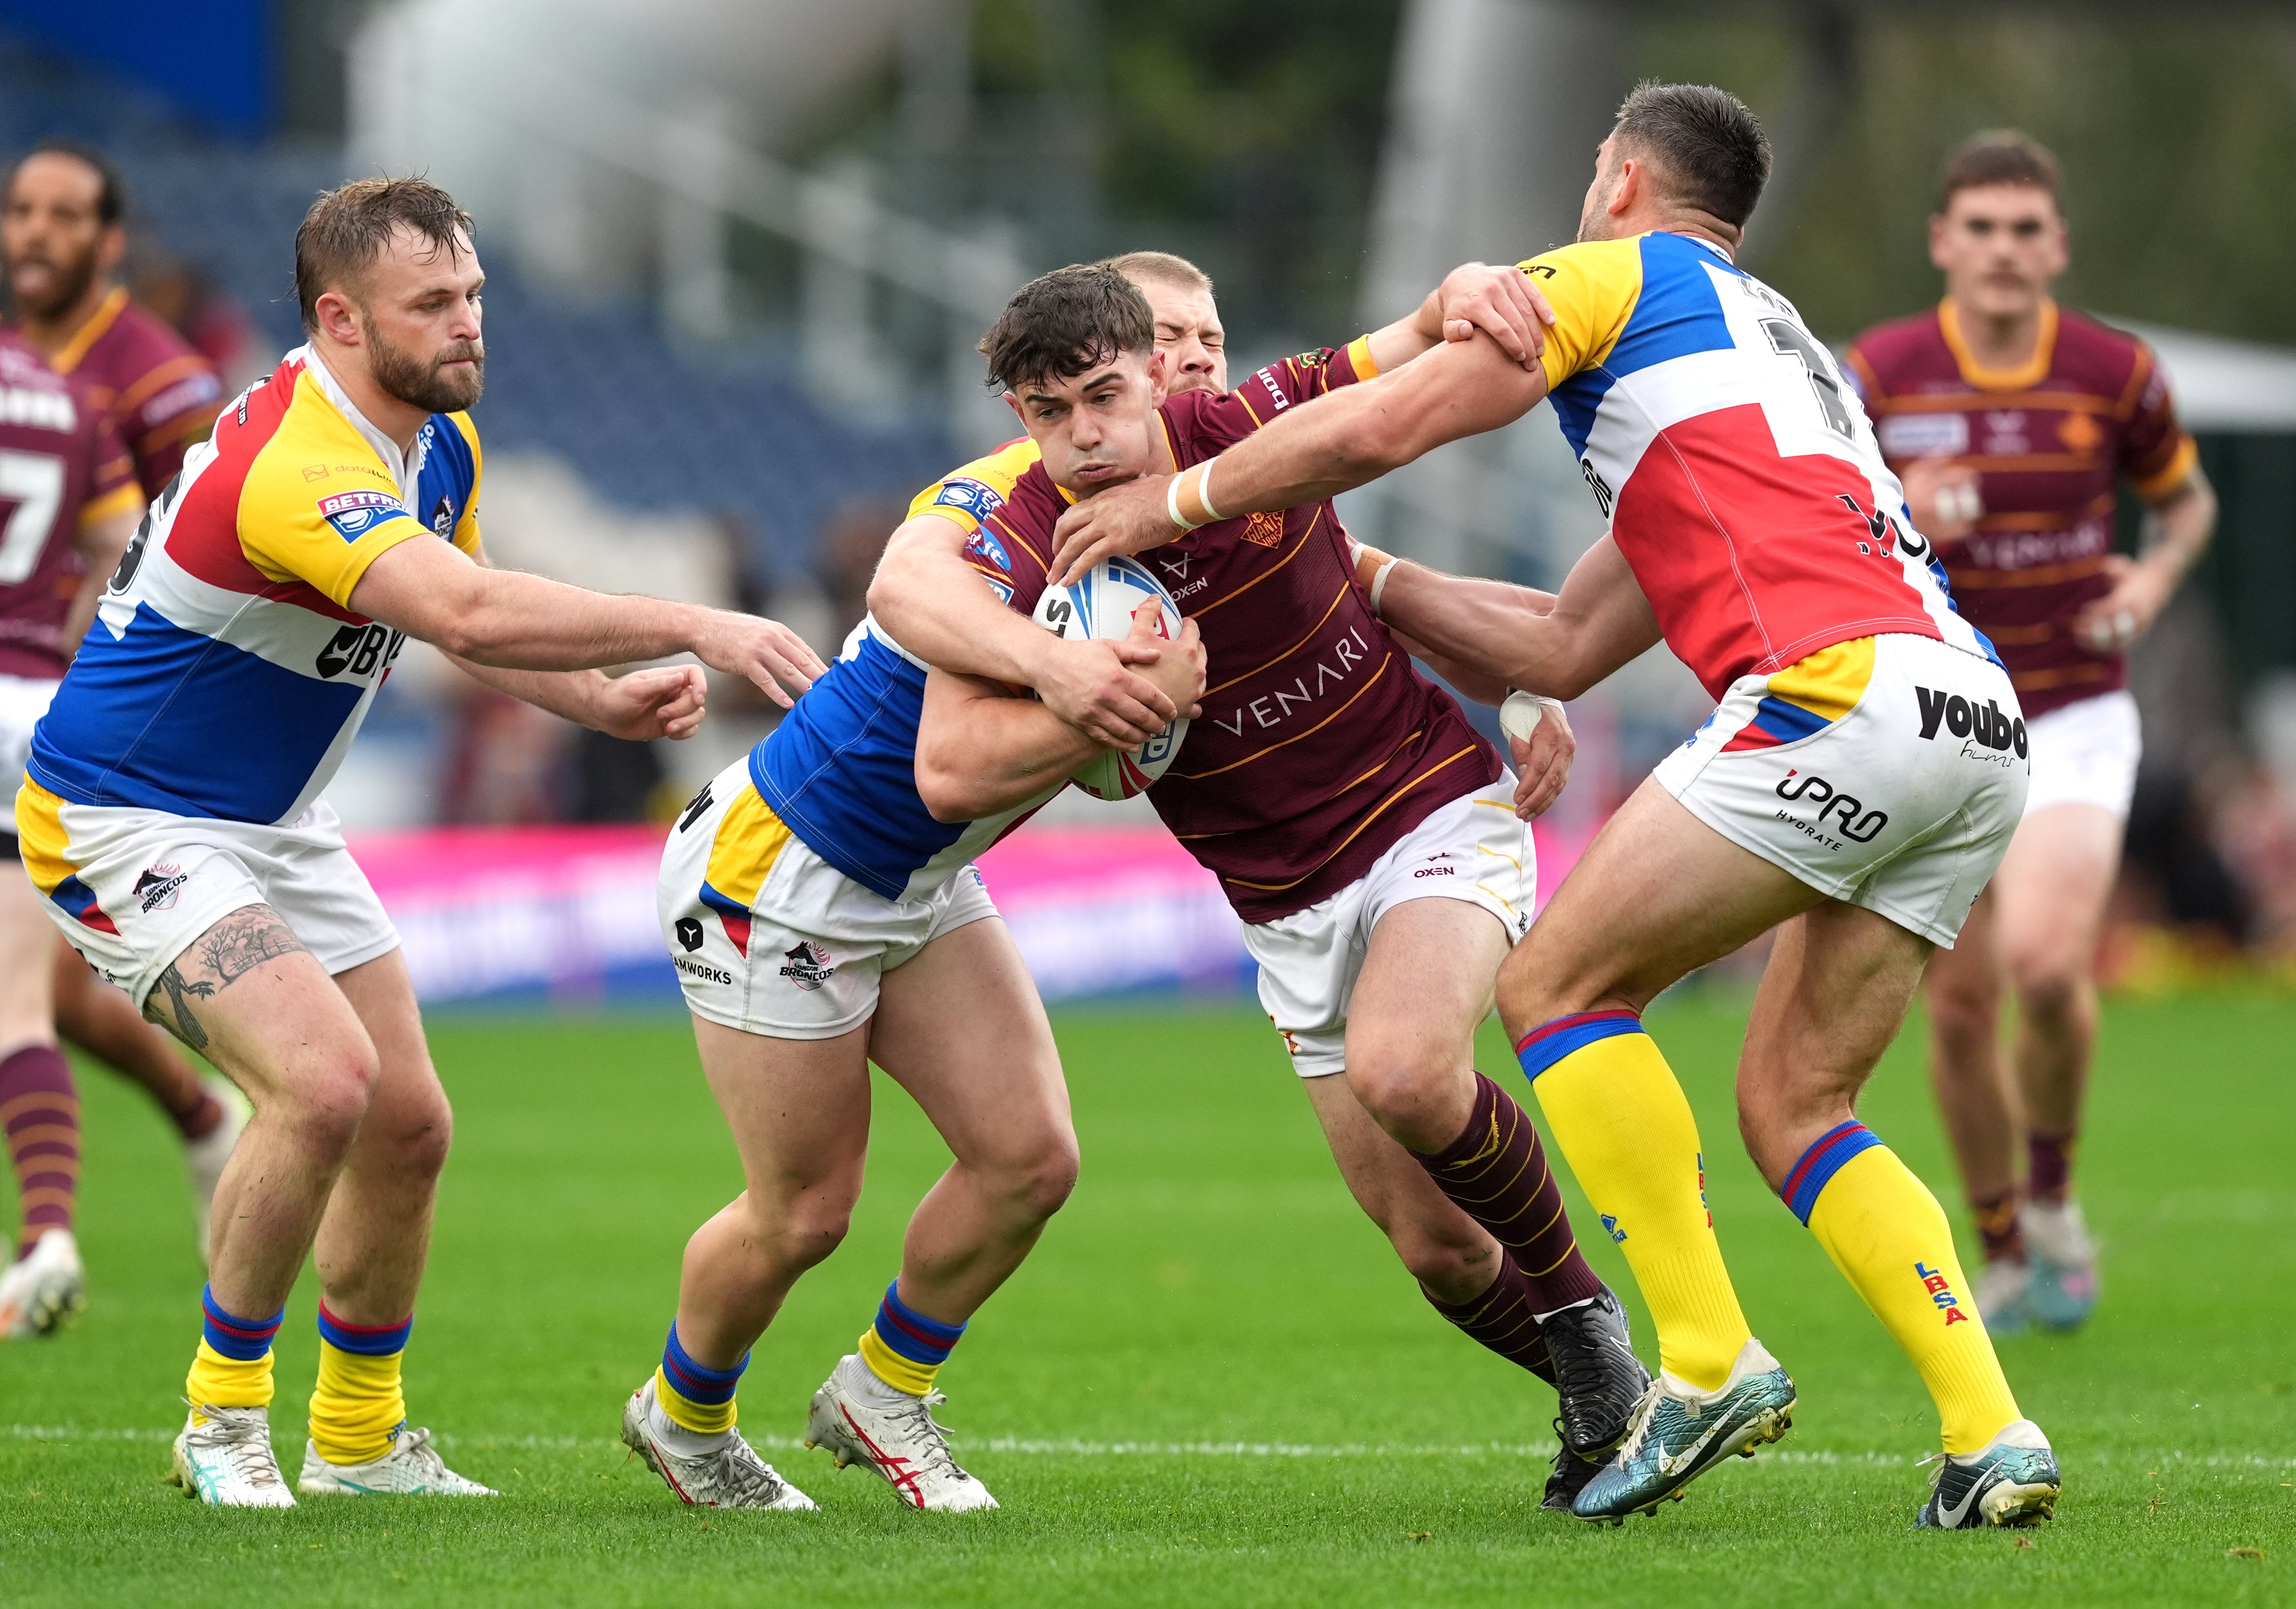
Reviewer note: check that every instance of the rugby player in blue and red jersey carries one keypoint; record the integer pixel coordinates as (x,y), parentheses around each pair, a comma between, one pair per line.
(1854,787)
(171,817)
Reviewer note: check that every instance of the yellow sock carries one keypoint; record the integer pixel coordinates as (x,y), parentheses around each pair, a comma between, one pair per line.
(358,1403)
(1614,1109)
(1890,1238)
(902,1374)
(217,1381)
(694,1395)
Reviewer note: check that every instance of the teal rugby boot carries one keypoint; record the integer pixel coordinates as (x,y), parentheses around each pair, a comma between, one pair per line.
(2011,1481)
(1678,1433)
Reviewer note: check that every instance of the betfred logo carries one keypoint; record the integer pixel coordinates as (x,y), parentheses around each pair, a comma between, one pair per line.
(353,515)
(1940,1289)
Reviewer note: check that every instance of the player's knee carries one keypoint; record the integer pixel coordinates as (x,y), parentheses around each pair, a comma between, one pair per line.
(1964,1013)
(1455,1267)
(1034,1182)
(325,1111)
(808,1233)
(421,1137)
(2050,979)
(1389,1081)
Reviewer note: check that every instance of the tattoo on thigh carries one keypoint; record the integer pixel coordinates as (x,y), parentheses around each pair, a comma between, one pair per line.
(179,992)
(244,940)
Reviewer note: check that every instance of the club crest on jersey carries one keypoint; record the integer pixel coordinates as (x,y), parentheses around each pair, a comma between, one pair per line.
(442,515)
(1265,528)
(1940,1289)
(982,547)
(353,515)
(975,498)
(808,966)
(156,888)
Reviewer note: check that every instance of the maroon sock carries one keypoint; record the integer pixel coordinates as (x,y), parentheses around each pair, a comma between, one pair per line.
(1495,1173)
(39,1109)
(2048,1165)
(1996,1225)
(1500,1319)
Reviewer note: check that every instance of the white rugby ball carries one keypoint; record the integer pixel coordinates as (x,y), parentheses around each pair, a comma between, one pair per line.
(1101,604)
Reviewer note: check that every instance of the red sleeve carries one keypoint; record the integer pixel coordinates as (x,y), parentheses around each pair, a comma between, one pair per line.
(2156,451)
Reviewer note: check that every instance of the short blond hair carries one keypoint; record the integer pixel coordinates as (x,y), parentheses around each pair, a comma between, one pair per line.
(1162,267)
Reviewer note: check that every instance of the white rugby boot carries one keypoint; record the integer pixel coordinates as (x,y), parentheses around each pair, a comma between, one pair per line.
(2004,1296)
(43,1290)
(710,1472)
(2063,1255)
(410,1469)
(864,1421)
(205,1156)
(227,1462)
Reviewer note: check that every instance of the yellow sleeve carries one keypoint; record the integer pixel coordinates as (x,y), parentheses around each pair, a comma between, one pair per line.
(968,496)
(466,529)
(1592,286)
(323,534)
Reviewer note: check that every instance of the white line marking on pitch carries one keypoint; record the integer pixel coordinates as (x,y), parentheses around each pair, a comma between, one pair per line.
(1064,1448)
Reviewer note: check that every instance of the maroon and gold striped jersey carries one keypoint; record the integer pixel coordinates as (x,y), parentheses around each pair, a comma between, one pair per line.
(161,394)
(2050,442)
(1320,744)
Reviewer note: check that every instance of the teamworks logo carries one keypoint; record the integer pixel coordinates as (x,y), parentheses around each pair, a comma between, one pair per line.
(808,965)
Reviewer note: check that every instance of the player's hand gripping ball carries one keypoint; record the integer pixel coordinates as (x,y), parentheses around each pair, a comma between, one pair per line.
(1101,605)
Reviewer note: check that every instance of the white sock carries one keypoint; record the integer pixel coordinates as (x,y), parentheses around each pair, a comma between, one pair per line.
(861,1381)
(686,1443)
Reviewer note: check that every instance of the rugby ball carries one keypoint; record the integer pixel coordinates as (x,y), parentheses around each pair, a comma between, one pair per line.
(1101,605)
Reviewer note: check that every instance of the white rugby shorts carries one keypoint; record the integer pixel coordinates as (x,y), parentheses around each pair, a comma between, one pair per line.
(769,938)
(1888,772)
(1472,849)
(23,700)
(131,888)
(2086,753)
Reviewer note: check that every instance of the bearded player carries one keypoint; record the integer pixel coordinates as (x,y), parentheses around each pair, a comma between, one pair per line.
(70,503)
(171,817)
(1357,823)
(62,236)
(1854,787)
(2012,422)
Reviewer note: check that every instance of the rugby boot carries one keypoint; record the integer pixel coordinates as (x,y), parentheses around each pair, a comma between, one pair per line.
(709,1472)
(1680,1432)
(864,1421)
(43,1290)
(410,1467)
(2011,1481)
(1569,1477)
(1598,1379)
(227,1462)
(2064,1257)
(2004,1296)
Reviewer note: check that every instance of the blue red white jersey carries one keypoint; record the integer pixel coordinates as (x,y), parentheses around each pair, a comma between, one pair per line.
(1739,476)
(227,673)
(842,773)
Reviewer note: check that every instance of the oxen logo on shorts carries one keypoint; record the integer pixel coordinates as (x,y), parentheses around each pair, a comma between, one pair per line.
(156,888)
(808,965)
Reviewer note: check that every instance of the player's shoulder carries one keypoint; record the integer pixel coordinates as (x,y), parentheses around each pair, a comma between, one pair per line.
(34,388)
(138,342)
(975,490)
(1599,260)
(2094,357)
(1901,350)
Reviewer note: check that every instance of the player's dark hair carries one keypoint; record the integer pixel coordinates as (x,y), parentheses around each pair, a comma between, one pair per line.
(110,189)
(1060,324)
(1707,143)
(348,228)
(2001,156)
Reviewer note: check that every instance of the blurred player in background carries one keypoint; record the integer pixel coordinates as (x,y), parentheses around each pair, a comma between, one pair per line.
(1755,529)
(1356,821)
(69,503)
(2012,422)
(171,812)
(62,237)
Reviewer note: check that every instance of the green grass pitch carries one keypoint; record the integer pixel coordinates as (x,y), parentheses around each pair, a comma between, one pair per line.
(1211,1384)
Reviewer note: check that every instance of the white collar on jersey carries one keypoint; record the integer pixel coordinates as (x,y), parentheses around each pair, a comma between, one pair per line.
(405,470)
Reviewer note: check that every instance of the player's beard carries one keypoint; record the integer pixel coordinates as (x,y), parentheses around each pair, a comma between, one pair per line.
(423,385)
(71,281)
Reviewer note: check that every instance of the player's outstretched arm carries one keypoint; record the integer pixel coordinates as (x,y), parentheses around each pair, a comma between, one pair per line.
(513,621)
(101,542)
(1558,647)
(1318,450)
(981,749)
(937,606)
(1500,301)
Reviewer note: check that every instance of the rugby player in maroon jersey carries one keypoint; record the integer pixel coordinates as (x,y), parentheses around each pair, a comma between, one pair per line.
(62,235)
(69,504)
(2012,422)
(1363,832)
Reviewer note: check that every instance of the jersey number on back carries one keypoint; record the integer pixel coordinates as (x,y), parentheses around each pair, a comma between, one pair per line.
(1790,339)
(35,483)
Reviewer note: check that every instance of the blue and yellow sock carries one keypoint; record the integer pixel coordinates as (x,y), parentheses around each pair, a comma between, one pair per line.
(693,1395)
(232,1366)
(904,1348)
(1890,1238)
(359,1403)
(1614,1109)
